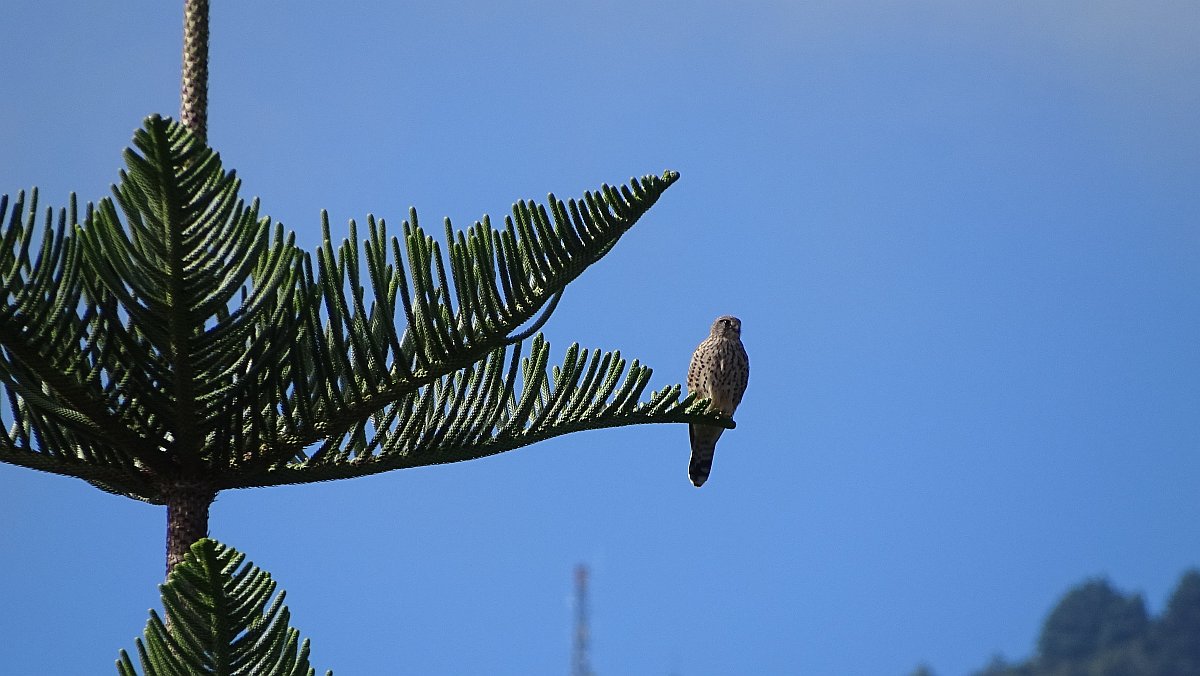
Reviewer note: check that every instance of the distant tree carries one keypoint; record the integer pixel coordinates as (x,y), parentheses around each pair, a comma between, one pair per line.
(1131,659)
(1002,667)
(1176,635)
(1098,631)
(1090,618)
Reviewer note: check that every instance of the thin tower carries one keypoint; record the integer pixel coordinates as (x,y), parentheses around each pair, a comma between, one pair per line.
(580,666)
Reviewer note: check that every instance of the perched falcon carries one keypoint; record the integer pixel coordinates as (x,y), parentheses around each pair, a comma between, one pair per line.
(719,371)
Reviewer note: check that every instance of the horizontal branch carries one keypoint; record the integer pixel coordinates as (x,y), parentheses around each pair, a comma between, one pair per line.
(118,479)
(298,473)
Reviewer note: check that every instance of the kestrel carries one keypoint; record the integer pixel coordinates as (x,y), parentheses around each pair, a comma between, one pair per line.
(719,372)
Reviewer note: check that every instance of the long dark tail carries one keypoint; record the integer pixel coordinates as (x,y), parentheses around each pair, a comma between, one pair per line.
(704,445)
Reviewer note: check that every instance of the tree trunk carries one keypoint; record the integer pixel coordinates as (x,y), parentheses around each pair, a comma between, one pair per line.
(187,517)
(188,500)
(193,90)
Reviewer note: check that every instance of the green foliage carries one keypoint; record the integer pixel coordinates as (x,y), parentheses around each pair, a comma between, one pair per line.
(223,622)
(1097,631)
(175,334)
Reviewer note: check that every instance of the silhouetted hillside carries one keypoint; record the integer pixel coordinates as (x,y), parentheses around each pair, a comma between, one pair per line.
(1096,630)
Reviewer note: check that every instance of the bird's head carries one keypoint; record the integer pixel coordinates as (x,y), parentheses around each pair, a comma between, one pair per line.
(727,326)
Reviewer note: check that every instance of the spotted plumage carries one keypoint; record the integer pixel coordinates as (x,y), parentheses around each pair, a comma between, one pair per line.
(720,370)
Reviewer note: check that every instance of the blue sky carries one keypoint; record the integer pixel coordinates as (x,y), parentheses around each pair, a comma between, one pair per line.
(963,238)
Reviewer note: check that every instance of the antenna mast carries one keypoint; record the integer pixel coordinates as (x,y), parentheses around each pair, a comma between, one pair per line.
(580,666)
